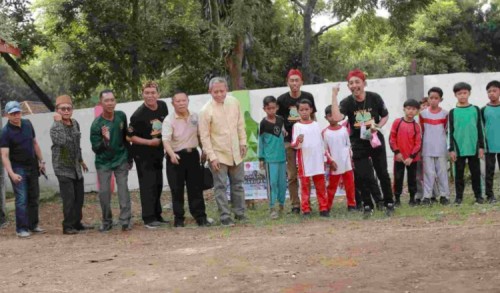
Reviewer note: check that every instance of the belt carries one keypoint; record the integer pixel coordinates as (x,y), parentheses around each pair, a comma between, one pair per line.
(186,151)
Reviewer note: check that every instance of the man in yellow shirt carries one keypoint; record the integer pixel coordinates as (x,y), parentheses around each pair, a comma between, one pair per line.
(223,137)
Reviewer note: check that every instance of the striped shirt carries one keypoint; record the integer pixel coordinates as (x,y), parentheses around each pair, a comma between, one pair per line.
(434,127)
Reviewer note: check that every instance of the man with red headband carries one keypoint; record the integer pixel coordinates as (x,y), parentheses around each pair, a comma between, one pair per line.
(287,108)
(367,113)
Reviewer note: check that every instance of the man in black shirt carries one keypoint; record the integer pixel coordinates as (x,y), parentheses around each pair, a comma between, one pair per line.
(287,104)
(144,133)
(367,112)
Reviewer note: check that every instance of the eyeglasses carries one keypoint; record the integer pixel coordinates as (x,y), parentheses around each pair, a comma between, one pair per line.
(64,109)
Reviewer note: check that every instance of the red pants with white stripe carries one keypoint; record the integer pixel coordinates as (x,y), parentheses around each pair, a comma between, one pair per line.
(305,191)
(333,183)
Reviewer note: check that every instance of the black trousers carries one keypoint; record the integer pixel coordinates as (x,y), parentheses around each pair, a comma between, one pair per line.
(491,160)
(188,173)
(72,194)
(363,169)
(411,177)
(367,188)
(475,172)
(150,174)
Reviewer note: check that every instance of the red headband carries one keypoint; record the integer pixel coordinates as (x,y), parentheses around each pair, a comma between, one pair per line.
(294,72)
(356,73)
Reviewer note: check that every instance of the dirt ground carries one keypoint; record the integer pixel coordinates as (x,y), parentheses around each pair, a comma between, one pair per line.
(384,255)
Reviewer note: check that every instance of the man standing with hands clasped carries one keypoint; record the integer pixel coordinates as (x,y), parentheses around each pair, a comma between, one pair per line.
(223,137)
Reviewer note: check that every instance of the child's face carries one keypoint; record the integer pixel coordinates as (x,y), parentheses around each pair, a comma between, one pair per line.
(410,112)
(329,118)
(493,94)
(434,99)
(462,96)
(271,109)
(424,106)
(305,111)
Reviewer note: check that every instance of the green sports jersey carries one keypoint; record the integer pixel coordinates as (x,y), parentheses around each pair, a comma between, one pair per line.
(466,131)
(491,122)
(115,153)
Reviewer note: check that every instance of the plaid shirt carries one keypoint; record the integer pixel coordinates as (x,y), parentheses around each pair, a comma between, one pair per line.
(66,152)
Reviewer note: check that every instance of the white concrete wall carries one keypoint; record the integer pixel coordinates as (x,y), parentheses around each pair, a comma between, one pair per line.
(392,90)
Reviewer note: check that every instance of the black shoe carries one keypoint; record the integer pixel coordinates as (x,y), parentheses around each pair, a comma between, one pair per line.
(179,223)
(70,231)
(367,212)
(492,200)
(426,202)
(380,206)
(434,200)
(397,202)
(227,222)
(352,209)
(324,214)
(203,222)
(418,201)
(479,200)
(105,228)
(458,201)
(306,215)
(444,201)
(412,203)
(389,209)
(296,211)
(126,228)
(83,227)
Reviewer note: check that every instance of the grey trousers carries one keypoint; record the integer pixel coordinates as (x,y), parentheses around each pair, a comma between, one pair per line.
(104,177)
(236,175)
(436,173)
(3,214)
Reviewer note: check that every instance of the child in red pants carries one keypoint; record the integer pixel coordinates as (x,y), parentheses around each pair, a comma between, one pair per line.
(306,138)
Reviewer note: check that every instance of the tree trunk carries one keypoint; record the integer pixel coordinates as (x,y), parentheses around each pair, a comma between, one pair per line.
(29,81)
(306,49)
(234,63)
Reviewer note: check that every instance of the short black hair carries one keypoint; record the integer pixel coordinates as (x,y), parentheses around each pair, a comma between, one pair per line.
(411,103)
(328,110)
(437,90)
(493,83)
(106,91)
(268,100)
(461,86)
(304,101)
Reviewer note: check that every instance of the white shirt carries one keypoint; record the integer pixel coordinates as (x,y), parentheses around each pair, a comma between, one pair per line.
(310,153)
(338,146)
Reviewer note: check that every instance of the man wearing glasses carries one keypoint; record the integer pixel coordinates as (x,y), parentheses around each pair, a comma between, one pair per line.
(68,164)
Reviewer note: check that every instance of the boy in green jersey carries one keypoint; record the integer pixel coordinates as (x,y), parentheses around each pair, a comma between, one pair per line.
(466,141)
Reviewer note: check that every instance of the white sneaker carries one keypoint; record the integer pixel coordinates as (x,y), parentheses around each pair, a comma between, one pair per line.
(23,234)
(38,230)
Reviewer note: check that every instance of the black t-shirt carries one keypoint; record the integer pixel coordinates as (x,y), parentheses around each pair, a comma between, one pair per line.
(19,141)
(146,123)
(288,110)
(370,111)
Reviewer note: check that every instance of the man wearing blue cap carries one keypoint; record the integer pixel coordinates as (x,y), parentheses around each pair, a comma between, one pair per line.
(23,161)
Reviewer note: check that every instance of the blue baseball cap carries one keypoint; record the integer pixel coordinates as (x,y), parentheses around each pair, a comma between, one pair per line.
(12,107)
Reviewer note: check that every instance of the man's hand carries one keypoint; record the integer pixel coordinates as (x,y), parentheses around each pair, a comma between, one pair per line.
(84,166)
(203,157)
(41,167)
(399,158)
(481,153)
(16,178)
(334,166)
(243,151)
(261,165)
(453,156)
(215,165)
(130,164)
(154,142)
(105,132)
(175,159)
(373,128)
(300,138)
(57,117)
(335,90)
(408,161)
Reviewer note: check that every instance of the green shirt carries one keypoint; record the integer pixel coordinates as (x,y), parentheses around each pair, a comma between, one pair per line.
(114,153)
(466,131)
(491,121)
